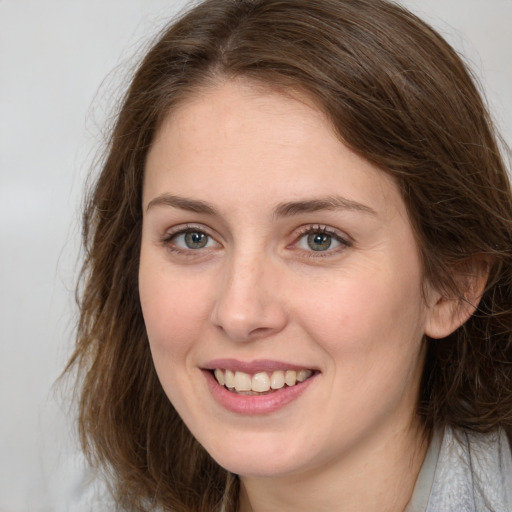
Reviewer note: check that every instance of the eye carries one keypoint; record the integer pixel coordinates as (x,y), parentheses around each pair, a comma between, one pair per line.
(190,239)
(194,239)
(320,239)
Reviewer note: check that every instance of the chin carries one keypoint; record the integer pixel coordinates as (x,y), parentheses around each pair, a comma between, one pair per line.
(256,467)
(259,456)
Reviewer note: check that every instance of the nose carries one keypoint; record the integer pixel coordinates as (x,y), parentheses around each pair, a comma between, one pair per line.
(249,305)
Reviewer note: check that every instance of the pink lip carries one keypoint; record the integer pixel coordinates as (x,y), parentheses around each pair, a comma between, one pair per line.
(252,367)
(254,404)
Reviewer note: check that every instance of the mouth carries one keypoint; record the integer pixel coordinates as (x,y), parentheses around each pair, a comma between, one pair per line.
(257,387)
(260,383)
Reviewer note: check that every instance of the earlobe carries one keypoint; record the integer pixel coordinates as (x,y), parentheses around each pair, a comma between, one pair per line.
(448,312)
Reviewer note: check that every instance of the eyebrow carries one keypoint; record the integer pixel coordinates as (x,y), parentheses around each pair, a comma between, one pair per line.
(183,203)
(324,203)
(287,209)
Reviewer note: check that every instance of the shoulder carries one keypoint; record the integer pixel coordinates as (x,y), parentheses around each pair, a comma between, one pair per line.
(473,473)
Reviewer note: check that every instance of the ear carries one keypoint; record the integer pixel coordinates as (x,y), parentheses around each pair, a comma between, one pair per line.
(447,313)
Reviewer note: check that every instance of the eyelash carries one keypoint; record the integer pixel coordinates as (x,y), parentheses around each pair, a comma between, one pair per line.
(323,230)
(168,240)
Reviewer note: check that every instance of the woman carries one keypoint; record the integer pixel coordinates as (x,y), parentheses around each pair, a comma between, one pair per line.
(298,275)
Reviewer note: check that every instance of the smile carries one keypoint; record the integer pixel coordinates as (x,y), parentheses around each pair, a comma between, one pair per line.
(257,387)
(261,382)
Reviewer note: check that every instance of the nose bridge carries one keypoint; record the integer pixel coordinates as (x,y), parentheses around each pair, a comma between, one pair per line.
(247,305)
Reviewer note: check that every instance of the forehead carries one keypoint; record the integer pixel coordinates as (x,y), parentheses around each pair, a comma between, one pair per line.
(240,106)
(238,132)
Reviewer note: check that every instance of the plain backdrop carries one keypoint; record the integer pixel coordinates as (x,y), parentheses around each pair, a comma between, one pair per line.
(63,64)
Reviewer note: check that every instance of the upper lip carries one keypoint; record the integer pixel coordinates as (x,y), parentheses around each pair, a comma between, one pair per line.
(255,366)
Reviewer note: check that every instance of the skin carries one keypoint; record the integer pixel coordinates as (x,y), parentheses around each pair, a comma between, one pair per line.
(356,313)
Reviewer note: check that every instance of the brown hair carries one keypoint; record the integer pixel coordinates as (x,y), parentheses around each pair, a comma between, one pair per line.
(398,95)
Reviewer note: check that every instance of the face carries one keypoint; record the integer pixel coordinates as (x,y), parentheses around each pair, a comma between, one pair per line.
(280,284)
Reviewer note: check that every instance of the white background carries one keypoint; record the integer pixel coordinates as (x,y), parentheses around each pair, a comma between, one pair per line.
(61,65)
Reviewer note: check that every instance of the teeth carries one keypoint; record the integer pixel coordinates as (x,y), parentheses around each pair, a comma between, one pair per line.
(277,380)
(302,375)
(229,379)
(261,382)
(220,377)
(242,381)
(290,377)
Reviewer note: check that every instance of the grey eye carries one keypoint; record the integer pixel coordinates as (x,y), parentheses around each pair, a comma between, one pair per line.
(195,239)
(319,241)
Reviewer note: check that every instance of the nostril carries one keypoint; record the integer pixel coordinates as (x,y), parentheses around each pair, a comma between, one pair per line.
(260,332)
(248,305)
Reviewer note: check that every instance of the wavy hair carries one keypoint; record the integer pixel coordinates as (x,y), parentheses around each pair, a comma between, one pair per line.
(396,94)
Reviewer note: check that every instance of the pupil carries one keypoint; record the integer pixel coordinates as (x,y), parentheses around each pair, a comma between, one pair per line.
(319,241)
(195,240)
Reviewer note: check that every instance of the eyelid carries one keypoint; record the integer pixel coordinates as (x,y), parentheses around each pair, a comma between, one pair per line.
(343,238)
(171,233)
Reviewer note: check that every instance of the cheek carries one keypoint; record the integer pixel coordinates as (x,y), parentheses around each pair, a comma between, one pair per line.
(370,317)
(172,318)
(174,310)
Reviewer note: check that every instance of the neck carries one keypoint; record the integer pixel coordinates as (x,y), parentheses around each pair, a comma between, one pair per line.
(375,477)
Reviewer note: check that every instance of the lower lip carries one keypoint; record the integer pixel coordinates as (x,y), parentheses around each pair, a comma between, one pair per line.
(255,404)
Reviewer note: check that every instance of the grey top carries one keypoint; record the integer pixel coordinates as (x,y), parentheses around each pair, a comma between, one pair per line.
(465,472)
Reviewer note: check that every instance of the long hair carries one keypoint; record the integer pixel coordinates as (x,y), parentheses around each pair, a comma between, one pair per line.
(398,95)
